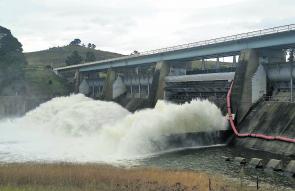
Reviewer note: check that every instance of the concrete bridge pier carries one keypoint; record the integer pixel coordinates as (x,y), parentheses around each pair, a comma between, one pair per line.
(158,85)
(203,64)
(107,93)
(217,63)
(77,80)
(234,61)
(242,88)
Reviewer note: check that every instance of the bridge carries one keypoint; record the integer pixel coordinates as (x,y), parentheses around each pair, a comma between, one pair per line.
(184,72)
(277,37)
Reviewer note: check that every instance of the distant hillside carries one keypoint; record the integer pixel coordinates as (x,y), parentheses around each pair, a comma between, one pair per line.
(56,57)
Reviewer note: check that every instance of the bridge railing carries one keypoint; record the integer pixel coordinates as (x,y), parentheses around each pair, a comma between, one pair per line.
(213,70)
(241,36)
(278,99)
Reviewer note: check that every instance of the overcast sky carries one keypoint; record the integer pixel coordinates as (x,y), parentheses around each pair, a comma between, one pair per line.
(126,25)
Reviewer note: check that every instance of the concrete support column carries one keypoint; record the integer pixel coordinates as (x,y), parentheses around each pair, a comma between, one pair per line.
(234,61)
(131,84)
(291,82)
(158,84)
(217,63)
(242,89)
(139,85)
(108,85)
(77,81)
(203,64)
(148,85)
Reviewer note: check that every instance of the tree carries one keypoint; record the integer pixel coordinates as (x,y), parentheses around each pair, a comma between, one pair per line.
(12,62)
(90,57)
(89,45)
(93,46)
(76,42)
(74,59)
(135,52)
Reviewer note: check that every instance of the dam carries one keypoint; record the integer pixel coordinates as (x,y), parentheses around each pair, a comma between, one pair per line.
(170,108)
(259,64)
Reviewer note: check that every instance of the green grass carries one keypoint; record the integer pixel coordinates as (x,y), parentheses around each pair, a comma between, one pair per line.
(56,57)
(43,82)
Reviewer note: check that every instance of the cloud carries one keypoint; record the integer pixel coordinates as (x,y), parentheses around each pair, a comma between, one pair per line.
(124,26)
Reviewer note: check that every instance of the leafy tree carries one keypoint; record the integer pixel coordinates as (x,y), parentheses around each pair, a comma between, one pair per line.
(93,46)
(74,59)
(89,45)
(76,42)
(90,56)
(12,62)
(135,52)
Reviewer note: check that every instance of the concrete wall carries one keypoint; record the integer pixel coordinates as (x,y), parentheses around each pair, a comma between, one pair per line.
(15,106)
(258,84)
(119,87)
(108,85)
(269,118)
(242,88)
(84,87)
(158,84)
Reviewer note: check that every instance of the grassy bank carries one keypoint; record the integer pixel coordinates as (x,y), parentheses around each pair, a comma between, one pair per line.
(43,82)
(62,177)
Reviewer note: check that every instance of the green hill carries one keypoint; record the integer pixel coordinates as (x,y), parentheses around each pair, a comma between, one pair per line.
(56,57)
(42,82)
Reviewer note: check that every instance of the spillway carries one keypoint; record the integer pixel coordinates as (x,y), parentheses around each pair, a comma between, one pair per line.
(80,129)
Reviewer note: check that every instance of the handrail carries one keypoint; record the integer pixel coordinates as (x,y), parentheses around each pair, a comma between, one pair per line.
(258,135)
(241,36)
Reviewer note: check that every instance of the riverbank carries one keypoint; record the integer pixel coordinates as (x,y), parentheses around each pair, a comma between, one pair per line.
(78,177)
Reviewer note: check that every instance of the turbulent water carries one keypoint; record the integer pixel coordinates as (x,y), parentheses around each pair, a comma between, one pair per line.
(79,129)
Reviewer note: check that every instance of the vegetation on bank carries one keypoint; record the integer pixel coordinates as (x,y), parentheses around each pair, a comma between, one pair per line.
(57,56)
(12,63)
(17,78)
(62,177)
(42,82)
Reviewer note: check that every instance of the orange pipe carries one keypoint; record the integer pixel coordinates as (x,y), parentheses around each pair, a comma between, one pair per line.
(258,135)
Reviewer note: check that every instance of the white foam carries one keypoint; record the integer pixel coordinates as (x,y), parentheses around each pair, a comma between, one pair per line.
(79,129)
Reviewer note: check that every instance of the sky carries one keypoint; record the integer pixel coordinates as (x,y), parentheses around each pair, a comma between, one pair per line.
(124,26)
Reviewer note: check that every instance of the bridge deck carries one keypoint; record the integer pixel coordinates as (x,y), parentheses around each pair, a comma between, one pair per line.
(225,46)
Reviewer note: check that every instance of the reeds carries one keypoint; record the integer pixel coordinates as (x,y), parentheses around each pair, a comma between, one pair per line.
(78,177)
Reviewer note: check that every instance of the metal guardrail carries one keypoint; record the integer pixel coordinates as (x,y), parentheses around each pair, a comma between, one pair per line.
(277,99)
(213,70)
(241,36)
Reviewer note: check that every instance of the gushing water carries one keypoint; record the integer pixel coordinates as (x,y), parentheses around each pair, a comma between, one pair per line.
(79,129)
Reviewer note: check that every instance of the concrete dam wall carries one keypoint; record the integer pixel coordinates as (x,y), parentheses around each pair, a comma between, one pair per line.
(269,118)
(259,107)
(138,88)
(15,106)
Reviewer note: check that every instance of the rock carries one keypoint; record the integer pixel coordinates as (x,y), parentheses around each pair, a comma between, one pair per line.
(240,160)
(226,158)
(290,169)
(275,165)
(256,163)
